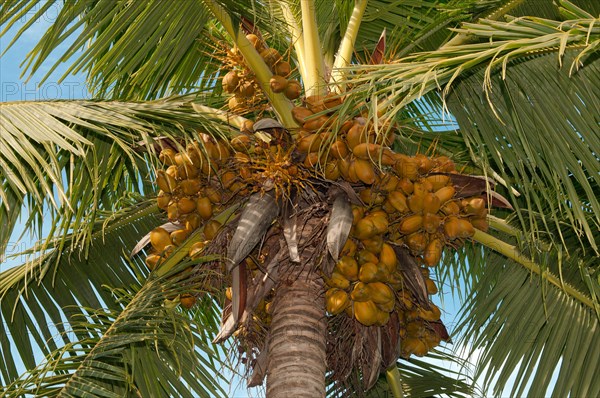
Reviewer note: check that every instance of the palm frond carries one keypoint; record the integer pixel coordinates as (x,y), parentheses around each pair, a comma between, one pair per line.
(38,297)
(145,349)
(70,160)
(528,327)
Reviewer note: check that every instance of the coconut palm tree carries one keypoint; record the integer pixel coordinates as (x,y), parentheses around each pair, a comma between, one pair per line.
(517,80)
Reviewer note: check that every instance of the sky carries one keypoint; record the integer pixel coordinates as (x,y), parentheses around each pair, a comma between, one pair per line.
(16,87)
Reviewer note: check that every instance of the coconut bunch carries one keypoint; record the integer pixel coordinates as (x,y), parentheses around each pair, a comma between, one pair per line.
(240,81)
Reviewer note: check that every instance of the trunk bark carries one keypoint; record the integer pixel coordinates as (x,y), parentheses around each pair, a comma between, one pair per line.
(297,356)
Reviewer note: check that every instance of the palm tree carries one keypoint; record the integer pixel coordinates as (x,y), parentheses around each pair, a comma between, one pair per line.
(518,78)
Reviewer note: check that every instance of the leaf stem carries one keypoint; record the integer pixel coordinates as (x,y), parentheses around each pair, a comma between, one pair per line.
(344,55)
(296,36)
(392,376)
(314,83)
(514,254)
(228,117)
(281,105)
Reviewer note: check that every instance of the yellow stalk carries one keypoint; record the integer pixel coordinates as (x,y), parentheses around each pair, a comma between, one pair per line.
(281,105)
(314,83)
(514,254)
(393,378)
(344,55)
(228,117)
(296,35)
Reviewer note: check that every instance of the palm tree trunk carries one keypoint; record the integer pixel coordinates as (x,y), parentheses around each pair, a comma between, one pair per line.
(297,356)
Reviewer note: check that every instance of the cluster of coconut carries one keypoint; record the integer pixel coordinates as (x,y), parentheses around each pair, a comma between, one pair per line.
(241,81)
(407,202)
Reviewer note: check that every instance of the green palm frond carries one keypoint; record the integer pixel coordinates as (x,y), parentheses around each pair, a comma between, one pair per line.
(146,349)
(536,328)
(34,302)
(71,159)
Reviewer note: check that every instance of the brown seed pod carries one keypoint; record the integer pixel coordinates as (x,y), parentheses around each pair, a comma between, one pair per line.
(431,286)
(186,205)
(365,229)
(246,89)
(332,171)
(371,197)
(187,171)
(241,143)
(475,206)
(179,236)
(311,160)
(407,167)
(331,100)
(213,194)
(348,267)
(293,90)
(301,113)
(365,256)
(337,280)
(314,103)
(190,186)
(278,83)
(365,312)
(431,203)
(230,82)
(379,220)
(444,194)
(431,222)
(356,135)
(282,68)
(271,56)
(368,273)
(415,203)
(256,42)
(480,223)
(398,201)
(364,171)
(336,300)
(443,163)
(159,239)
(352,175)
(316,123)
(438,181)
(425,164)
(433,252)
(431,315)
(235,103)
(417,242)
(380,292)
(172,211)
(167,156)
(406,186)
(228,178)
(165,182)
(192,221)
(204,207)
(211,229)
(458,228)
(309,143)
(152,261)
(374,244)
(411,224)
(163,200)
(349,248)
(450,209)
(173,171)
(344,166)
(367,150)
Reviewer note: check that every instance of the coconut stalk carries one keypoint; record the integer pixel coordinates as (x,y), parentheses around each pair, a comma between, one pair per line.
(314,81)
(392,376)
(512,252)
(279,102)
(296,36)
(344,55)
